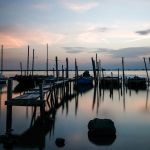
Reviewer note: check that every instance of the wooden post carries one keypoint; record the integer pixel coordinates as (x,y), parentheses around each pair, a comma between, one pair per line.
(94,69)
(33,63)
(41,98)
(56,67)
(123,71)
(2,59)
(146,70)
(28,62)
(47,62)
(53,72)
(67,68)
(21,68)
(75,72)
(118,78)
(62,71)
(111,86)
(9,108)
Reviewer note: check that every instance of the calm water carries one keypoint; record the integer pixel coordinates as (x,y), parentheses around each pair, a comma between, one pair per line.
(130,113)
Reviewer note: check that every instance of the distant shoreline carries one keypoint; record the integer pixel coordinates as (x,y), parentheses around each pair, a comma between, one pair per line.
(82,70)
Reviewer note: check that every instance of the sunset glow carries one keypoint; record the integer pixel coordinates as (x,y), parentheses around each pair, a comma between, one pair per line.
(83,27)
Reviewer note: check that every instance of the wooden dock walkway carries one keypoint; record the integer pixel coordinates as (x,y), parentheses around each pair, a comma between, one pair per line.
(35,97)
(56,94)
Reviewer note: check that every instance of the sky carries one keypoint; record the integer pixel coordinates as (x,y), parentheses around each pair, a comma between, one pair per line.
(75,29)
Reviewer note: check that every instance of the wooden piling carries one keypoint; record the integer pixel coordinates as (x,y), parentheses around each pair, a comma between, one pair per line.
(9,108)
(118,78)
(2,59)
(57,74)
(28,62)
(67,68)
(33,63)
(94,69)
(47,62)
(41,98)
(123,71)
(146,70)
(53,72)
(21,68)
(62,72)
(76,77)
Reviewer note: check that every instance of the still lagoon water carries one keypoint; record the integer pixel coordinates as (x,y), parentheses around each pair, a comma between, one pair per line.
(130,113)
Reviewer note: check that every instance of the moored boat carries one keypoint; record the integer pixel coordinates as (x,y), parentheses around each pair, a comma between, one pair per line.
(136,82)
(85,79)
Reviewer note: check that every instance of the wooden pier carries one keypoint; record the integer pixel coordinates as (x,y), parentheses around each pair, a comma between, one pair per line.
(35,97)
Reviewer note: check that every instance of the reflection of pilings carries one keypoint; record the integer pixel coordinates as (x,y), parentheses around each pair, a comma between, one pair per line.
(147,95)
(111,86)
(76,102)
(124,104)
(9,108)
(96,98)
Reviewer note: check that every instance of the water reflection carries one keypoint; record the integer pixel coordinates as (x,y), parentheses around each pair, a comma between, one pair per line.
(34,137)
(101,140)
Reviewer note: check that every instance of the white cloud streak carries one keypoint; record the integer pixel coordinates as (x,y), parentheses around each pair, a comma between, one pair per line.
(78,6)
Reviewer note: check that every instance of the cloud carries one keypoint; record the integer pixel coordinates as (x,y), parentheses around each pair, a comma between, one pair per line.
(143,32)
(100,29)
(130,52)
(75,49)
(20,36)
(78,6)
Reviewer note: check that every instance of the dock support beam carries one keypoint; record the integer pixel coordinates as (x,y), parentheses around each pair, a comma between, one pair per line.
(9,108)
(41,99)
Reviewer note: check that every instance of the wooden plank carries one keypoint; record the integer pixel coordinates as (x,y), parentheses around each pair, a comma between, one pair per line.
(25,102)
(28,96)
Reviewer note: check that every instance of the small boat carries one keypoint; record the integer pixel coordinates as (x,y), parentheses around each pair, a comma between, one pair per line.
(85,79)
(136,82)
(110,82)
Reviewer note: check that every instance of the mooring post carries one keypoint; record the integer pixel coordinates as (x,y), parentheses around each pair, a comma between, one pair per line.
(9,108)
(118,78)
(146,70)
(2,59)
(56,59)
(21,68)
(47,62)
(94,70)
(75,72)
(53,72)
(28,62)
(67,73)
(33,63)
(123,71)
(41,99)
